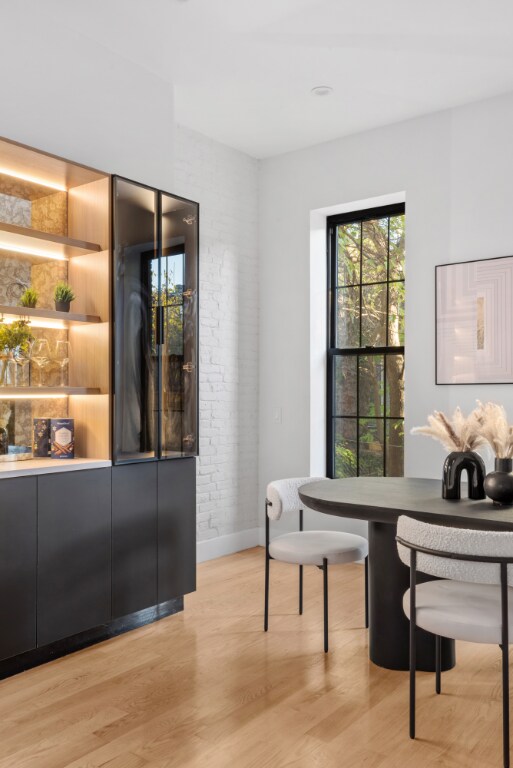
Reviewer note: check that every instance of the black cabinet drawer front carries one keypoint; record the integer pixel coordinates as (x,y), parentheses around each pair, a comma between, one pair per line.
(18,563)
(74,553)
(134,538)
(176,528)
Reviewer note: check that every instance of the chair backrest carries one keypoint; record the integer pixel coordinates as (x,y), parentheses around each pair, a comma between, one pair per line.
(458,541)
(283,496)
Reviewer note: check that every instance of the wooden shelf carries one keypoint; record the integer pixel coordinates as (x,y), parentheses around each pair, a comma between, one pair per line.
(47,314)
(7,393)
(39,246)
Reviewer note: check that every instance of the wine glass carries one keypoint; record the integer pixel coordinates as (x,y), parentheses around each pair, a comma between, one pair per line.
(40,355)
(62,355)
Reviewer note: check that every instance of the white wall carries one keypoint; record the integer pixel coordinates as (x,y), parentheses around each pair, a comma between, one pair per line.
(455,169)
(64,93)
(224,181)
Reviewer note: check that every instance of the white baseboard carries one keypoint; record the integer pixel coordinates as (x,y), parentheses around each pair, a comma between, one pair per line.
(228,544)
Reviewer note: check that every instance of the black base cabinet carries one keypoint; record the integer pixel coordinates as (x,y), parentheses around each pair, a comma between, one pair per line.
(86,555)
(177,528)
(18,559)
(74,550)
(134,538)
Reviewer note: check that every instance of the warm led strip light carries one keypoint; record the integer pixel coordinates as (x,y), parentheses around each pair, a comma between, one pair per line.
(33,180)
(31,251)
(35,322)
(32,397)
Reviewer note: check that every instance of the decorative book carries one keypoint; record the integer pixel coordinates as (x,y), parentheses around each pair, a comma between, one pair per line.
(63,438)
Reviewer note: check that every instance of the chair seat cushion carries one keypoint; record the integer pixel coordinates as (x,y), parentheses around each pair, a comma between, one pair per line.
(311,547)
(460,610)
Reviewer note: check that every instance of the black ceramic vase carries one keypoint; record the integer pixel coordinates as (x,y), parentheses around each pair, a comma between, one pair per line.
(498,485)
(455,463)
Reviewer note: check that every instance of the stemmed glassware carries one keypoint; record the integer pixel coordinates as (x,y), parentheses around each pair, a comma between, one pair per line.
(62,355)
(40,355)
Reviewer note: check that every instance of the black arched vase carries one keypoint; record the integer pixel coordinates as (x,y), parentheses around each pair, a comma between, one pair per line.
(498,485)
(455,463)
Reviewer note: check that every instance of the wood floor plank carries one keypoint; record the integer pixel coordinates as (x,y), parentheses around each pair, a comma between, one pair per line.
(209,689)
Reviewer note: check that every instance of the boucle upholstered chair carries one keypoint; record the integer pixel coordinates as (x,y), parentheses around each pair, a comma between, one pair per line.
(471,599)
(319,548)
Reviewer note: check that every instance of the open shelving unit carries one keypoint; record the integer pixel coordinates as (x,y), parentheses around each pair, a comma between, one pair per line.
(45,392)
(33,314)
(42,245)
(54,225)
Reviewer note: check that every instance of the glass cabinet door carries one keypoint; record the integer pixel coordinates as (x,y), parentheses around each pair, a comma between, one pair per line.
(178,299)
(136,299)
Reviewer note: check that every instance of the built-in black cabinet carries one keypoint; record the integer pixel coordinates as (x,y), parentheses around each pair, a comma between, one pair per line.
(74,553)
(155,288)
(18,562)
(177,528)
(134,538)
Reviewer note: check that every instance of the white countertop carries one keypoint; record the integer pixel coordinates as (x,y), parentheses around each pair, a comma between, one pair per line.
(48,466)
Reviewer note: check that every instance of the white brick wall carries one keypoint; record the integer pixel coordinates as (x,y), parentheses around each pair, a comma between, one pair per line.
(224,182)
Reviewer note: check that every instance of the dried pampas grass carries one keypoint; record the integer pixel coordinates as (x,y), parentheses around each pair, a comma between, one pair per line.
(495,429)
(458,433)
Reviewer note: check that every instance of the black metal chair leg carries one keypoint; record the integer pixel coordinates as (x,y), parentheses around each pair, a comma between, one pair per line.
(505,661)
(438,658)
(267,561)
(325,584)
(367,592)
(266,608)
(413,648)
(505,703)
(300,590)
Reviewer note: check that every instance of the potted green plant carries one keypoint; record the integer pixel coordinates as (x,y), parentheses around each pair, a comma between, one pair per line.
(29,298)
(63,296)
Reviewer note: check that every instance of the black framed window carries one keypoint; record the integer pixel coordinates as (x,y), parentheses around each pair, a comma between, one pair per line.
(366,286)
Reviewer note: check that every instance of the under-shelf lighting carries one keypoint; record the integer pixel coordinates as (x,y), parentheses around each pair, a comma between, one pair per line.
(31,251)
(30,396)
(36,322)
(33,180)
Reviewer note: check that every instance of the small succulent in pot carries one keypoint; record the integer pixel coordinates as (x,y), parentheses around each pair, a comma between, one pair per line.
(63,296)
(29,298)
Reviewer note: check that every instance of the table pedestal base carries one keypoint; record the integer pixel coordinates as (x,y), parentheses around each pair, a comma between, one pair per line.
(389,628)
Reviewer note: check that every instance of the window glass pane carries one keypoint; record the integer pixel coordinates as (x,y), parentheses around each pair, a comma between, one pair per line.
(395,447)
(395,385)
(374,250)
(345,386)
(371,385)
(348,317)
(345,431)
(348,254)
(396,315)
(396,268)
(374,309)
(371,447)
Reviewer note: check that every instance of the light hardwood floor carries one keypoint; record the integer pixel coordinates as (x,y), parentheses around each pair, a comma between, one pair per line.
(208,689)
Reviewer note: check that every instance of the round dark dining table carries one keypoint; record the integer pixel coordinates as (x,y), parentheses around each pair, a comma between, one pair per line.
(381,501)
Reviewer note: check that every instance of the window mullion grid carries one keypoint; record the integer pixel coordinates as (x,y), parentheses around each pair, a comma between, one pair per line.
(358,358)
(385,423)
(336,351)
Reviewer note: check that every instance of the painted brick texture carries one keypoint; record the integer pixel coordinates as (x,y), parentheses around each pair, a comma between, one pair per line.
(225,183)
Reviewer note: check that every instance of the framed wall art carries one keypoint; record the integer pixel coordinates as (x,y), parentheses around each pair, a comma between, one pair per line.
(474,322)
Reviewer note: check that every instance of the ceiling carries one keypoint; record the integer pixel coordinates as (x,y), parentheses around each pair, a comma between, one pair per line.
(243,70)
